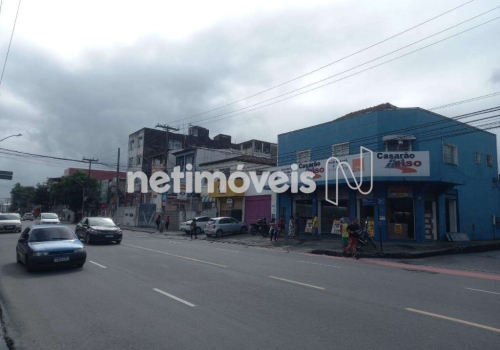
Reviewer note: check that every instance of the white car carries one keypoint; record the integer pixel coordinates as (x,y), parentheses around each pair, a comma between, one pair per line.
(48,218)
(10,223)
(200,224)
(223,225)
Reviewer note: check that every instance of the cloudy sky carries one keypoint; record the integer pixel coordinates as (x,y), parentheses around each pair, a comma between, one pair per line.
(83,75)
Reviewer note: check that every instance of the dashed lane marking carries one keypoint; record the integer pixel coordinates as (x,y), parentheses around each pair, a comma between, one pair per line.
(174,255)
(174,297)
(90,261)
(455,320)
(308,262)
(299,283)
(484,291)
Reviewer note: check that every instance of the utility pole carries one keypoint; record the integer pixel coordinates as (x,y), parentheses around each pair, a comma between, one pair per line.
(117,193)
(167,130)
(90,167)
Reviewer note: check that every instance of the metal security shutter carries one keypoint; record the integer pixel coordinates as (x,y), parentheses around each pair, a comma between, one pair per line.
(257,207)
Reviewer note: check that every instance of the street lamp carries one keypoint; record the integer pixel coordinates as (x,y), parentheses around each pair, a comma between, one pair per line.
(10,136)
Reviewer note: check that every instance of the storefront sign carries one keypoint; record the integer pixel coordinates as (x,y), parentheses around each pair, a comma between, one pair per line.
(399,192)
(398,229)
(336,227)
(309,226)
(343,193)
(370,228)
(381,218)
(369,201)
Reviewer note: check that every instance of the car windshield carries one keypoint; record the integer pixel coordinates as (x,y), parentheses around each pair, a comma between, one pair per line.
(101,222)
(211,221)
(50,216)
(8,217)
(51,234)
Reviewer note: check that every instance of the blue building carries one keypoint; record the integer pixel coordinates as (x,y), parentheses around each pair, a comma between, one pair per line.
(432,175)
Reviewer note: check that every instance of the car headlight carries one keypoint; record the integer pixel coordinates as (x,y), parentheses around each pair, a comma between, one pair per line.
(79,250)
(91,230)
(119,232)
(40,253)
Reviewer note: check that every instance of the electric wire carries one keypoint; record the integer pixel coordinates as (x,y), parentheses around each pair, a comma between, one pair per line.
(10,42)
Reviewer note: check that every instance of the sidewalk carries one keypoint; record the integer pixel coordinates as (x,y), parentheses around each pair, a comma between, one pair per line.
(331,245)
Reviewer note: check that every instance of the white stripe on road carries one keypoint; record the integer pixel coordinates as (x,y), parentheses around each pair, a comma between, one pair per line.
(456,320)
(307,262)
(484,291)
(227,250)
(174,297)
(177,256)
(302,284)
(90,261)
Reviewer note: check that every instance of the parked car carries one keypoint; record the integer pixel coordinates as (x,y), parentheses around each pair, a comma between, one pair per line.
(223,225)
(48,219)
(98,229)
(49,245)
(200,224)
(28,216)
(10,223)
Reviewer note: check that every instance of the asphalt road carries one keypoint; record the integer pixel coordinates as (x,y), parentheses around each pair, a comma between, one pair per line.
(176,293)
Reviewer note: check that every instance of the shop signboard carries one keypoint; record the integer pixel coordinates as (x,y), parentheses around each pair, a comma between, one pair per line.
(309,226)
(399,192)
(370,228)
(369,201)
(336,227)
(398,229)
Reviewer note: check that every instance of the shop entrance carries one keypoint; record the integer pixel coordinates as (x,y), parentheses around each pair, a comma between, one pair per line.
(451,215)
(330,212)
(303,207)
(365,212)
(430,220)
(401,219)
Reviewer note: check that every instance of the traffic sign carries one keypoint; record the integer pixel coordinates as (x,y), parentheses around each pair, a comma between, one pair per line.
(6,175)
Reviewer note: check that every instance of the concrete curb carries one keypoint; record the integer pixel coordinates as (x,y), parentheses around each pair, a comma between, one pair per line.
(465,249)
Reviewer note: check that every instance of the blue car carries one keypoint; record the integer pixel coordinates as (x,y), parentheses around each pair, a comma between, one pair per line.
(50,245)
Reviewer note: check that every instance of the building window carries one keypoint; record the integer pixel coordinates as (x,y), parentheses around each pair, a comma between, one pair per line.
(397,145)
(139,142)
(174,144)
(478,158)
(131,145)
(340,149)
(130,161)
(450,154)
(489,160)
(138,160)
(304,156)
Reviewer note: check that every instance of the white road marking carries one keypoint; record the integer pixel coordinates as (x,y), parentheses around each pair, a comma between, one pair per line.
(307,262)
(90,261)
(484,291)
(227,250)
(300,283)
(177,256)
(174,297)
(455,320)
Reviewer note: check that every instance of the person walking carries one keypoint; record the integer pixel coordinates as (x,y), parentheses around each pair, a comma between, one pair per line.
(281,227)
(167,222)
(291,227)
(273,230)
(353,230)
(194,229)
(315,226)
(344,233)
(158,222)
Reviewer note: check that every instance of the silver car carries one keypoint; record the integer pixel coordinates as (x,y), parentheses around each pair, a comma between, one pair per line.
(200,224)
(10,223)
(223,225)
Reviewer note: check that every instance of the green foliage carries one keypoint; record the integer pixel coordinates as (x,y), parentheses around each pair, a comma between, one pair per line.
(22,198)
(41,197)
(69,191)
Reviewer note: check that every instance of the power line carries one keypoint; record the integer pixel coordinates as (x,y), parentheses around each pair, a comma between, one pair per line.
(10,42)
(327,65)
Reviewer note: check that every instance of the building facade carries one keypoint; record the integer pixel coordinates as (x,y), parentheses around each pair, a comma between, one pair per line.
(432,175)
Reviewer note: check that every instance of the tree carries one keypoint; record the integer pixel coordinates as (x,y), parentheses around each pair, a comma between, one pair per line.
(71,188)
(41,197)
(21,197)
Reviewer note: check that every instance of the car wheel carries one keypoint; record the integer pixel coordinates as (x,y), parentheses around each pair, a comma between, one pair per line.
(243,230)
(87,238)
(218,233)
(118,242)
(17,258)
(198,230)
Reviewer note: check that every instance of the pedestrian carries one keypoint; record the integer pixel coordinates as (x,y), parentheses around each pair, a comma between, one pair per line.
(315,226)
(344,233)
(158,222)
(353,230)
(291,227)
(194,229)
(281,227)
(297,223)
(167,222)
(273,230)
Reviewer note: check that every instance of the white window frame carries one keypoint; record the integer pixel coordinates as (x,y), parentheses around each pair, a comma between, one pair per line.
(489,160)
(304,156)
(453,154)
(340,149)
(478,158)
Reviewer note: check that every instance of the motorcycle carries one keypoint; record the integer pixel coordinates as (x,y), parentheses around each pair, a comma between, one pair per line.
(260,227)
(364,238)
